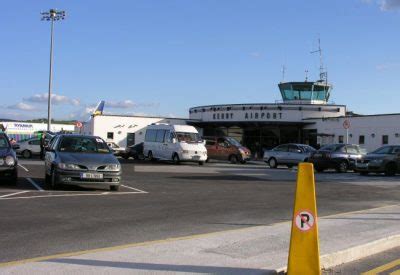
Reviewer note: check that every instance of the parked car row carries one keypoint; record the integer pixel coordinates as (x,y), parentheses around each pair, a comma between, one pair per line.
(341,157)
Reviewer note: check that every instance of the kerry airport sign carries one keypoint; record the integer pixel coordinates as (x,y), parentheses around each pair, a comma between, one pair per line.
(248,116)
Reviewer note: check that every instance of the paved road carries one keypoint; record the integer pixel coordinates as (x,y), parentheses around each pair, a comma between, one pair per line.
(387,262)
(162,201)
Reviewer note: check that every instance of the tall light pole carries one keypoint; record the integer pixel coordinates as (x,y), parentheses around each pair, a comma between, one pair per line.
(51,15)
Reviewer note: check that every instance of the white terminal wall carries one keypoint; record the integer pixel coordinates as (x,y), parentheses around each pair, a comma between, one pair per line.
(269,112)
(122,125)
(372,127)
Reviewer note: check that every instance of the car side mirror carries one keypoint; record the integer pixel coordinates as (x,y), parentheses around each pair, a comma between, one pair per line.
(174,140)
(15,146)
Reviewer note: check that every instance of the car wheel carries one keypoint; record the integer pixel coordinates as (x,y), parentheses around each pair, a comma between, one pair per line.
(114,187)
(390,169)
(272,163)
(201,162)
(150,156)
(364,173)
(175,159)
(343,167)
(233,159)
(26,154)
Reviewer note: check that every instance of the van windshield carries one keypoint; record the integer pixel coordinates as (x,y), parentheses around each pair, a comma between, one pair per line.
(233,141)
(188,137)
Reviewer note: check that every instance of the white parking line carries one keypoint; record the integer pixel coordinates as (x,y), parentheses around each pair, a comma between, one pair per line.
(141,191)
(35,185)
(23,167)
(12,194)
(73,195)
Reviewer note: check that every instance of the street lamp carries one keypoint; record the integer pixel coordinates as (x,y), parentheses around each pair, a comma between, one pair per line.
(51,15)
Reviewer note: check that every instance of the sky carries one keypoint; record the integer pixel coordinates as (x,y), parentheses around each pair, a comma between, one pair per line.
(161,57)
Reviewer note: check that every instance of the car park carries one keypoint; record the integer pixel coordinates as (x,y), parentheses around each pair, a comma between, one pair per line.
(174,142)
(226,148)
(288,154)
(134,151)
(385,159)
(341,157)
(8,160)
(29,147)
(81,160)
(116,149)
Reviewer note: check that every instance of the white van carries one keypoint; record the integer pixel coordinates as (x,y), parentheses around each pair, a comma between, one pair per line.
(174,142)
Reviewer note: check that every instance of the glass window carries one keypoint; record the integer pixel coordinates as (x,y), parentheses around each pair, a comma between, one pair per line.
(332,147)
(34,142)
(160,135)
(361,140)
(385,139)
(3,142)
(167,136)
(233,141)
(210,142)
(110,135)
(340,139)
(83,145)
(383,150)
(294,149)
(352,149)
(281,148)
(151,135)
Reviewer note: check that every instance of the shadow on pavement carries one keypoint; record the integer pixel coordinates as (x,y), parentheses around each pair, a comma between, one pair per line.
(164,267)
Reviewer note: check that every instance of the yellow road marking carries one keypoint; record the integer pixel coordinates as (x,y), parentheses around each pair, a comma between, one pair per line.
(384,268)
(190,237)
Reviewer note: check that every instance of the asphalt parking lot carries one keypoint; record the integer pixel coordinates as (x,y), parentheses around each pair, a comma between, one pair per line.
(161,200)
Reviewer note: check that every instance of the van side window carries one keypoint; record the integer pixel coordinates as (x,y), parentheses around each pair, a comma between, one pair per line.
(151,135)
(210,142)
(167,136)
(160,136)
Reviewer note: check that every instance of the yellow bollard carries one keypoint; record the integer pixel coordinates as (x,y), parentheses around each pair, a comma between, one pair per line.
(304,243)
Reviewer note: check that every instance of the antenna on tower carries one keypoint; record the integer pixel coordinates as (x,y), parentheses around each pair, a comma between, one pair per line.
(283,73)
(323,75)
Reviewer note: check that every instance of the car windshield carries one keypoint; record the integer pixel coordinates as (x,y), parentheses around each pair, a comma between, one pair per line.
(188,137)
(83,145)
(3,142)
(233,141)
(331,147)
(384,150)
(307,148)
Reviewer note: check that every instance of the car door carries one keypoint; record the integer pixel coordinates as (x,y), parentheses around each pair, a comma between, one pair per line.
(295,154)
(280,153)
(222,152)
(35,146)
(211,146)
(353,153)
(168,145)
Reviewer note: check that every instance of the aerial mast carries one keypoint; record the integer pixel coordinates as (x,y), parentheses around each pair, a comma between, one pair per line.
(323,75)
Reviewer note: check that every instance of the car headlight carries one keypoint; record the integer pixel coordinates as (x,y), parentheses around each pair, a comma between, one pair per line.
(112,167)
(68,166)
(9,160)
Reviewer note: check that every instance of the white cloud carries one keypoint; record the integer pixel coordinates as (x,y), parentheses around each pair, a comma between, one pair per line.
(22,107)
(388,5)
(256,55)
(55,99)
(385,5)
(387,66)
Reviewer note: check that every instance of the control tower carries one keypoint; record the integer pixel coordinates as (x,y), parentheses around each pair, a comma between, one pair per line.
(306,92)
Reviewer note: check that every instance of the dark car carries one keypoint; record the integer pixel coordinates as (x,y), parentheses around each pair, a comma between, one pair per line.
(134,151)
(341,157)
(81,160)
(8,160)
(385,159)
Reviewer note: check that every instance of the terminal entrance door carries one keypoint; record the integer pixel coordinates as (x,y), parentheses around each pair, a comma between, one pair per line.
(130,139)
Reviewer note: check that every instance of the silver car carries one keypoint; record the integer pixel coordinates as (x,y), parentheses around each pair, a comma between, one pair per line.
(288,154)
(81,160)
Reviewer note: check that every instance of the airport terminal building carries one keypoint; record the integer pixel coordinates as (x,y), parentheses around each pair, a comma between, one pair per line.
(304,115)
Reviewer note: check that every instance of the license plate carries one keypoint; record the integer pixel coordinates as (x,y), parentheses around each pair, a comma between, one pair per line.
(196,157)
(91,176)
